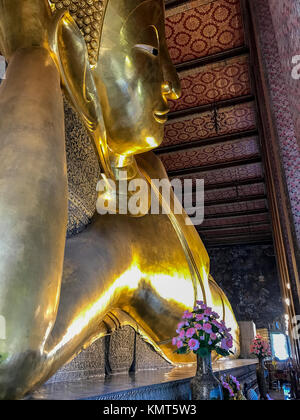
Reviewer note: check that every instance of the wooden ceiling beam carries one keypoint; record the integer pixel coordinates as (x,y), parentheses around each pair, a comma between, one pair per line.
(232,226)
(205,168)
(259,241)
(207,141)
(235,200)
(169,4)
(209,106)
(245,237)
(249,235)
(233,184)
(236,214)
(213,58)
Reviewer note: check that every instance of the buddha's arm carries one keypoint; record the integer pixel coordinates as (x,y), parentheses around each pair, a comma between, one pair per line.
(33,191)
(213,294)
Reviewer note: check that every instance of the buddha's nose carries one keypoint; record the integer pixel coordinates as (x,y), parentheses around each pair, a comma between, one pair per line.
(171,90)
(171,85)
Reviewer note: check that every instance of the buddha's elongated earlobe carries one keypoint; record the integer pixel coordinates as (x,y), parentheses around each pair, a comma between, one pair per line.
(70,53)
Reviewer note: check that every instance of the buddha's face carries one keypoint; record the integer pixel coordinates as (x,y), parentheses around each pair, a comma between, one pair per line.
(134,75)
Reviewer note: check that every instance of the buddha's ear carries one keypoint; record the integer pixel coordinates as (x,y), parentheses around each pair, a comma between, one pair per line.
(70,53)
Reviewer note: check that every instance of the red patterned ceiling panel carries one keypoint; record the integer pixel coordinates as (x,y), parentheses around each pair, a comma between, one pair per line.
(235,207)
(196,30)
(212,83)
(221,176)
(239,220)
(254,189)
(232,119)
(210,155)
(234,192)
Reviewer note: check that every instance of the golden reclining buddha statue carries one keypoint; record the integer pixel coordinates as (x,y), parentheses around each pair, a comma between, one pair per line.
(56,296)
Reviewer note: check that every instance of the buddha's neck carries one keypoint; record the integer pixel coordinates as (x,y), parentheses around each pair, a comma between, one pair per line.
(123,167)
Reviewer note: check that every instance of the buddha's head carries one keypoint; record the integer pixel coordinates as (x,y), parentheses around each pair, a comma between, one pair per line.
(128,67)
(135,75)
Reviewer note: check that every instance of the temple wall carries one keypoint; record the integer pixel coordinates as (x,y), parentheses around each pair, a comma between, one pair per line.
(286,22)
(276,68)
(248,275)
(273,76)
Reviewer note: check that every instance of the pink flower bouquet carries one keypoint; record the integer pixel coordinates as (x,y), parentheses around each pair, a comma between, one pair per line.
(201,332)
(260,347)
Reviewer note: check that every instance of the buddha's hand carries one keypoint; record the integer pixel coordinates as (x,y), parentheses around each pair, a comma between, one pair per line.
(24,24)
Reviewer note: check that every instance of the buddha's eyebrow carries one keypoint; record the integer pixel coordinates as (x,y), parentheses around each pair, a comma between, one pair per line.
(148,48)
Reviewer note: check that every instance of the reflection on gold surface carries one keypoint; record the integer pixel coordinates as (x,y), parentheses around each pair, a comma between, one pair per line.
(112,60)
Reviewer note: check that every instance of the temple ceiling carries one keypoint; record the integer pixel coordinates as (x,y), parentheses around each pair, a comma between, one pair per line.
(212,132)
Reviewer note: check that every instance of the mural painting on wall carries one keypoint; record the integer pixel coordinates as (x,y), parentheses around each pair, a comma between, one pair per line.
(248,275)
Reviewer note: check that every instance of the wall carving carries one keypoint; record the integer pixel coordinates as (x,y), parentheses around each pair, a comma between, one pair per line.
(248,275)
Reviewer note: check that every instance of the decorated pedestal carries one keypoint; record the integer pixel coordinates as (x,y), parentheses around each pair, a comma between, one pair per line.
(124,367)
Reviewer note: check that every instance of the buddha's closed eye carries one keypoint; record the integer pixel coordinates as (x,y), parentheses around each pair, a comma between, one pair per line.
(147,48)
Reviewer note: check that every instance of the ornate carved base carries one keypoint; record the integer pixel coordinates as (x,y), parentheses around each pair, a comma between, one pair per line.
(159,383)
(122,351)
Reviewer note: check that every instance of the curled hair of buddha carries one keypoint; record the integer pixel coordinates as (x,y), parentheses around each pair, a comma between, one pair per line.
(89,16)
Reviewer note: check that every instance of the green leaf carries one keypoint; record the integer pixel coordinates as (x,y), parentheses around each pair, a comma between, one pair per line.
(203,352)
(222,352)
(182,350)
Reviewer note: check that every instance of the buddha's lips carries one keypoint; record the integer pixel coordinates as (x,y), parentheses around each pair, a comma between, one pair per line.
(161,117)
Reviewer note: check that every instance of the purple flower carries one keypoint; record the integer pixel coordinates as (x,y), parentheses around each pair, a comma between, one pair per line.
(190,332)
(180,325)
(215,315)
(236,382)
(199,317)
(179,344)
(229,343)
(193,344)
(182,334)
(213,336)
(224,344)
(217,324)
(187,315)
(207,328)
(174,341)
(198,326)
(201,304)
(207,311)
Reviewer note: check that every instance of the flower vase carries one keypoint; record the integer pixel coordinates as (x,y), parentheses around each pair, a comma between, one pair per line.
(261,379)
(205,386)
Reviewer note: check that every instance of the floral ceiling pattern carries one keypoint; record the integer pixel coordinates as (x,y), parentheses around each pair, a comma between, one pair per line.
(232,119)
(213,83)
(209,155)
(212,133)
(203,29)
